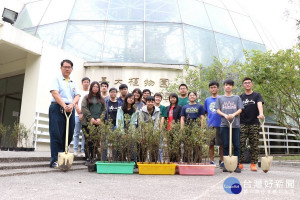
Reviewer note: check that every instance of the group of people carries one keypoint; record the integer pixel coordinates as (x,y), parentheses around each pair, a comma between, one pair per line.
(96,103)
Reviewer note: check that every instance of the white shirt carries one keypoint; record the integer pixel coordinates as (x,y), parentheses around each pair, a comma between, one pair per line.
(82,94)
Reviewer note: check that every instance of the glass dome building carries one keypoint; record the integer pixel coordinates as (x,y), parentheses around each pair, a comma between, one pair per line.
(144,31)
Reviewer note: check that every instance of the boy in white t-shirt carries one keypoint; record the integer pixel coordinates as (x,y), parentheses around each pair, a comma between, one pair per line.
(78,116)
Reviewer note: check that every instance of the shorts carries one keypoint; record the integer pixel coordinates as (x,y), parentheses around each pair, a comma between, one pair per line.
(218,138)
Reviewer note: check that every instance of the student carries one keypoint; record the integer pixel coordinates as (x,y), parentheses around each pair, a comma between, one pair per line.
(162,109)
(64,98)
(150,112)
(191,111)
(183,98)
(214,121)
(78,117)
(93,109)
(252,112)
(138,98)
(123,88)
(229,106)
(173,111)
(146,93)
(189,114)
(104,88)
(112,106)
(127,108)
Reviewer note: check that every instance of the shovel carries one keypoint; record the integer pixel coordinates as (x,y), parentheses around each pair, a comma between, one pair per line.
(230,161)
(65,159)
(267,160)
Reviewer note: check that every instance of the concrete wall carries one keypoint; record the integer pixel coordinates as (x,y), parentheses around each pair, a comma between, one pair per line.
(23,53)
(150,76)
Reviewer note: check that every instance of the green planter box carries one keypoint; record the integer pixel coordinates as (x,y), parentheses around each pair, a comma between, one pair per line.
(115,167)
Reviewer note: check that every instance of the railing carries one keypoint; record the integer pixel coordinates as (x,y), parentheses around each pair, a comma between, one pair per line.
(41,130)
(280,140)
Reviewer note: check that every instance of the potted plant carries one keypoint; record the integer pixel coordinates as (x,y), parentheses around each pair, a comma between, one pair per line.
(150,141)
(23,135)
(119,146)
(3,135)
(92,138)
(196,142)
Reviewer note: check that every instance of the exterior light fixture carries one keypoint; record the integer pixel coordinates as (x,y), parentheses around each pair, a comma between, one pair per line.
(9,16)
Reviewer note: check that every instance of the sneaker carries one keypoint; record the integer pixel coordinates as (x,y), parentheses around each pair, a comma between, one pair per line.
(54,165)
(237,170)
(81,154)
(75,153)
(87,162)
(224,169)
(222,166)
(253,167)
(241,166)
(212,162)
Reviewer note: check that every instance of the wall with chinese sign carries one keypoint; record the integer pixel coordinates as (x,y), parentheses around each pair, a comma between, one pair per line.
(157,79)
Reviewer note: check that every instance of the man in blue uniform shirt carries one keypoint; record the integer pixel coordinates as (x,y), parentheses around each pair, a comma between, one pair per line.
(64,97)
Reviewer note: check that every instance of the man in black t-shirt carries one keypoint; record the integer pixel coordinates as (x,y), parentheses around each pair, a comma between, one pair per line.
(112,106)
(252,112)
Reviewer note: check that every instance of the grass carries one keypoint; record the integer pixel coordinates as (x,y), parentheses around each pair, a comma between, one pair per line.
(296,158)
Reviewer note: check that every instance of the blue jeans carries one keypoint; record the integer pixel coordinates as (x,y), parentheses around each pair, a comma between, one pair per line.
(235,141)
(57,130)
(77,132)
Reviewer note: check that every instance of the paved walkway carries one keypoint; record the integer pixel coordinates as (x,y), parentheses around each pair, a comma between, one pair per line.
(281,182)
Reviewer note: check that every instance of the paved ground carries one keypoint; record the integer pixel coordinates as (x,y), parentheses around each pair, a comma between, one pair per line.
(81,184)
(281,182)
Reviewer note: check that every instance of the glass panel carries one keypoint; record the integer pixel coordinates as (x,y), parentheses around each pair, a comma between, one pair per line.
(58,10)
(248,45)
(215,3)
(31,14)
(162,11)
(56,37)
(200,45)
(1,105)
(130,10)
(31,31)
(11,111)
(221,20)
(233,6)
(124,42)
(15,84)
(90,10)
(194,13)
(2,86)
(230,49)
(245,27)
(85,39)
(164,43)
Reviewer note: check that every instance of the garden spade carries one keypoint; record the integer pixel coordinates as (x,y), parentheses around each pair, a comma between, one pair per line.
(230,161)
(65,159)
(267,160)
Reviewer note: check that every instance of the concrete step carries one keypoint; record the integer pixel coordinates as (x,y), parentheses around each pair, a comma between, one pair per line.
(37,170)
(31,159)
(34,164)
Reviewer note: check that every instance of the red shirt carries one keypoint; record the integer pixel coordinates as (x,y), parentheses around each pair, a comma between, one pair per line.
(170,118)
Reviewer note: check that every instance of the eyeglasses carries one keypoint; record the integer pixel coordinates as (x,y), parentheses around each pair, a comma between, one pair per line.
(67,67)
(247,83)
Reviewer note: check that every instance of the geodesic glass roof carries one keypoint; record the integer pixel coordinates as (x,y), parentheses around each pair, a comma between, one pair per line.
(144,31)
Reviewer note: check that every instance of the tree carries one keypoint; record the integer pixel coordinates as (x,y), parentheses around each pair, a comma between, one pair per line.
(276,76)
(293,12)
(198,78)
